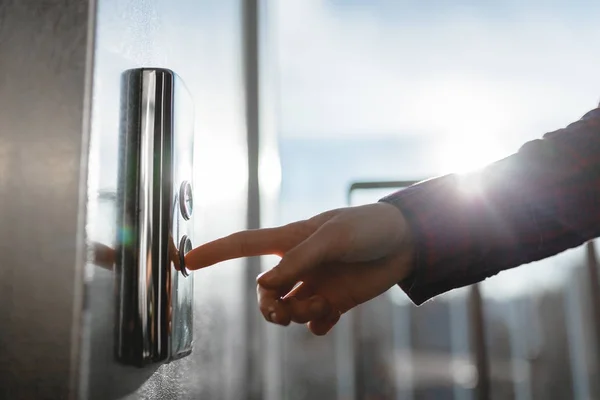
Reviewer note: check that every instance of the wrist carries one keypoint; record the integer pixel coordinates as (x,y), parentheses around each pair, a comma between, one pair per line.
(404,248)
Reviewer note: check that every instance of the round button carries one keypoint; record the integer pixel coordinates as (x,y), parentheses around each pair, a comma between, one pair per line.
(185,246)
(186,200)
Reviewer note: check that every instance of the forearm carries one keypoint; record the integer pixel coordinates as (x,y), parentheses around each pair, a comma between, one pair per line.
(534,204)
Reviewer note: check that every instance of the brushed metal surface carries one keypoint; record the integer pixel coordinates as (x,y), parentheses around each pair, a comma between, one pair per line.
(43,138)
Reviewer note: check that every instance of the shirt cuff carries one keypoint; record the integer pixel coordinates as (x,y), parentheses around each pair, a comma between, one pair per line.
(444,223)
(528,206)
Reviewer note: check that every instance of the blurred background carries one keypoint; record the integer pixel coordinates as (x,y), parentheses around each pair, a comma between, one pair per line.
(372,92)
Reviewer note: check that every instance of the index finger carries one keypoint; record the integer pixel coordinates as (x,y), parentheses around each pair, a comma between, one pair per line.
(248,243)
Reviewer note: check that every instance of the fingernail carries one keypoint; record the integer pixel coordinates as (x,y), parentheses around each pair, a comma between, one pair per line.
(273,317)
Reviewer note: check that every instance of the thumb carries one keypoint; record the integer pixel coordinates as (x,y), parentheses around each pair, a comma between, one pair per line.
(314,251)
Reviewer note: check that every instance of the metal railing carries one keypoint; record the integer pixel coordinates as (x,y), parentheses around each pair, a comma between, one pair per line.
(476,315)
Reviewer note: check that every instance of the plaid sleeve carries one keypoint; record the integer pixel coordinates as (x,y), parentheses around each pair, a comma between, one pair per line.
(536,203)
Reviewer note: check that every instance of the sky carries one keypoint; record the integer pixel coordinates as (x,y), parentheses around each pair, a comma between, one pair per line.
(442,68)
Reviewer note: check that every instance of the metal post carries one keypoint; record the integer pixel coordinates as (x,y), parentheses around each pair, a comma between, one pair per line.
(46,51)
(478,335)
(355,316)
(575,337)
(592,269)
(251,80)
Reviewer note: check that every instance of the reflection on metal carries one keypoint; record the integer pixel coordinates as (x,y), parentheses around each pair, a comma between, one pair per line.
(154,319)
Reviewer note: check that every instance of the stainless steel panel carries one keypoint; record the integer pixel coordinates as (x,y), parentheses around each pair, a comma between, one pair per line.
(44,80)
(202,42)
(154,315)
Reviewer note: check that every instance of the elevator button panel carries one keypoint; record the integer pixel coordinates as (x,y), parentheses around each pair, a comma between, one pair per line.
(155,199)
(185,246)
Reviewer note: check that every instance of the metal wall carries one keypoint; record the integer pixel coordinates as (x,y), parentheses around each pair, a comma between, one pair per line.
(43,115)
(202,42)
(60,102)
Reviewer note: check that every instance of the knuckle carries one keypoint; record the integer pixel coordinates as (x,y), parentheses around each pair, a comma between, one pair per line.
(278,270)
(284,270)
(288,260)
(299,312)
(278,273)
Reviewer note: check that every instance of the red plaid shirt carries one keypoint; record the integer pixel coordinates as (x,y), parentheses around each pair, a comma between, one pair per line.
(534,204)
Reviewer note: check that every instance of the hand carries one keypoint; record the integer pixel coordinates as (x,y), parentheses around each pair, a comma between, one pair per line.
(330,263)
